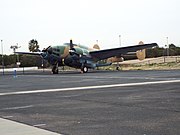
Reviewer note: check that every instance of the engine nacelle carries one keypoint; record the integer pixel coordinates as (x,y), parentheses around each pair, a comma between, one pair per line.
(78,51)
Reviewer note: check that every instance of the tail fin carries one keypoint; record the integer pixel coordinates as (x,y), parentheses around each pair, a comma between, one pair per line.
(96,46)
(141,54)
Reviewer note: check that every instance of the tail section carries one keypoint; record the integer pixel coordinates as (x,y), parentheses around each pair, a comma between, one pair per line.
(96,46)
(141,54)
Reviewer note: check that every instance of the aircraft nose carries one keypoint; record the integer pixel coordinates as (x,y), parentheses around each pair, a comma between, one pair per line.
(49,50)
(46,52)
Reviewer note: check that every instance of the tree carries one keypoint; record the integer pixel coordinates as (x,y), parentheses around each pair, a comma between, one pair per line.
(172,46)
(155,52)
(33,45)
(174,50)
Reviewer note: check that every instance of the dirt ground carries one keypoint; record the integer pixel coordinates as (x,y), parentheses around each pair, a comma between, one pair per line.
(160,63)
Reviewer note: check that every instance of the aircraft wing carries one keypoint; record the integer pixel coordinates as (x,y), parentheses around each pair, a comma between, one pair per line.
(104,54)
(30,53)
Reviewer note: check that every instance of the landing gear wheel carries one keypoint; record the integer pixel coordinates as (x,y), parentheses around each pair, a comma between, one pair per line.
(55,69)
(84,69)
(119,68)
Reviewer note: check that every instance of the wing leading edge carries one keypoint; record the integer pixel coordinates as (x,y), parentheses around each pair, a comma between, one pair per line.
(104,54)
(30,53)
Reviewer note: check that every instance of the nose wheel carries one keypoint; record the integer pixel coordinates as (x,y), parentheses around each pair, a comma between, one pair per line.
(55,69)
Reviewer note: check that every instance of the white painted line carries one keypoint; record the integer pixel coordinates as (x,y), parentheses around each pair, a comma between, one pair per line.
(17,107)
(88,87)
(39,125)
(6,117)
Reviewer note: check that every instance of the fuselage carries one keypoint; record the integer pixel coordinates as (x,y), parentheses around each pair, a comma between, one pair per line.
(62,55)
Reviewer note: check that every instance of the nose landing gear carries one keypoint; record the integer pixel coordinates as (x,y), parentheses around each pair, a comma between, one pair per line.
(55,69)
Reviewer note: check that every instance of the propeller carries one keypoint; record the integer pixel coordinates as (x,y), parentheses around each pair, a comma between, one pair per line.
(47,51)
(72,50)
(71,44)
(77,57)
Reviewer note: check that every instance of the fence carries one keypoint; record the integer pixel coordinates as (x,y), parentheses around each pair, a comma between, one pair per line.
(165,59)
(13,70)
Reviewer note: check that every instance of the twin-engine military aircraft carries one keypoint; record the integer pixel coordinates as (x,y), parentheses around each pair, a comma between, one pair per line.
(84,58)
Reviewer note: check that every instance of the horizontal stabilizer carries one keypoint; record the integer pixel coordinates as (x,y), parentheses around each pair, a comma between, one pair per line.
(103,65)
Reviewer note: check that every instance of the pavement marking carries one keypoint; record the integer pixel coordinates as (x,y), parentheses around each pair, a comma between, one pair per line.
(39,125)
(17,107)
(6,117)
(87,87)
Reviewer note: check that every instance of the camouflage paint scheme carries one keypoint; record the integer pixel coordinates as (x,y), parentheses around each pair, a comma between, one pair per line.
(60,54)
(82,57)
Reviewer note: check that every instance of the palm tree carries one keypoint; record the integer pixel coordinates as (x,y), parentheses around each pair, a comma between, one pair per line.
(33,46)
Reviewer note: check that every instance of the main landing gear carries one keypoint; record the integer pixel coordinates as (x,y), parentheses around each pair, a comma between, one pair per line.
(118,66)
(84,69)
(55,69)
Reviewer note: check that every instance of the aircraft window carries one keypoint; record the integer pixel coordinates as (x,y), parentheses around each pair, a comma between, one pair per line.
(54,49)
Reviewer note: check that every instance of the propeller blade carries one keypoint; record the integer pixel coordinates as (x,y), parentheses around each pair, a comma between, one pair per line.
(71,44)
(45,50)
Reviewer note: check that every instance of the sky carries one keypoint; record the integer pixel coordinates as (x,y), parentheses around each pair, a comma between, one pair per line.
(54,22)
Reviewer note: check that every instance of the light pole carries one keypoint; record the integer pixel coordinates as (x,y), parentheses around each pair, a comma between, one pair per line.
(18,55)
(117,67)
(119,40)
(14,50)
(2,56)
(167,46)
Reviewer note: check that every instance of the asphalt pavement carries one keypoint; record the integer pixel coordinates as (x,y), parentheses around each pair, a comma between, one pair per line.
(99,102)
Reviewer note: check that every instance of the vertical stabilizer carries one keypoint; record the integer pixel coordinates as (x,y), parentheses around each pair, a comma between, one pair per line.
(141,54)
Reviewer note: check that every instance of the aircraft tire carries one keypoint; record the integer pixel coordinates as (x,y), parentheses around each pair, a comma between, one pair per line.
(84,69)
(55,70)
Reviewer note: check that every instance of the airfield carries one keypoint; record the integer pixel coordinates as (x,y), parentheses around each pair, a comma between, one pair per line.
(98,102)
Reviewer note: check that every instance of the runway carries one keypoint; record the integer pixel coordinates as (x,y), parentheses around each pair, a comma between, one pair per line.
(99,102)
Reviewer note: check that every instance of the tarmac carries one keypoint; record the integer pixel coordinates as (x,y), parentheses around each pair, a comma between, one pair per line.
(98,102)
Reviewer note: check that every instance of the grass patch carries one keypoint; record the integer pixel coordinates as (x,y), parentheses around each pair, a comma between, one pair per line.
(154,66)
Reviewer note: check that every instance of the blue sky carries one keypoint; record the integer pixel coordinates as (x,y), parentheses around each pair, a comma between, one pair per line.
(54,22)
